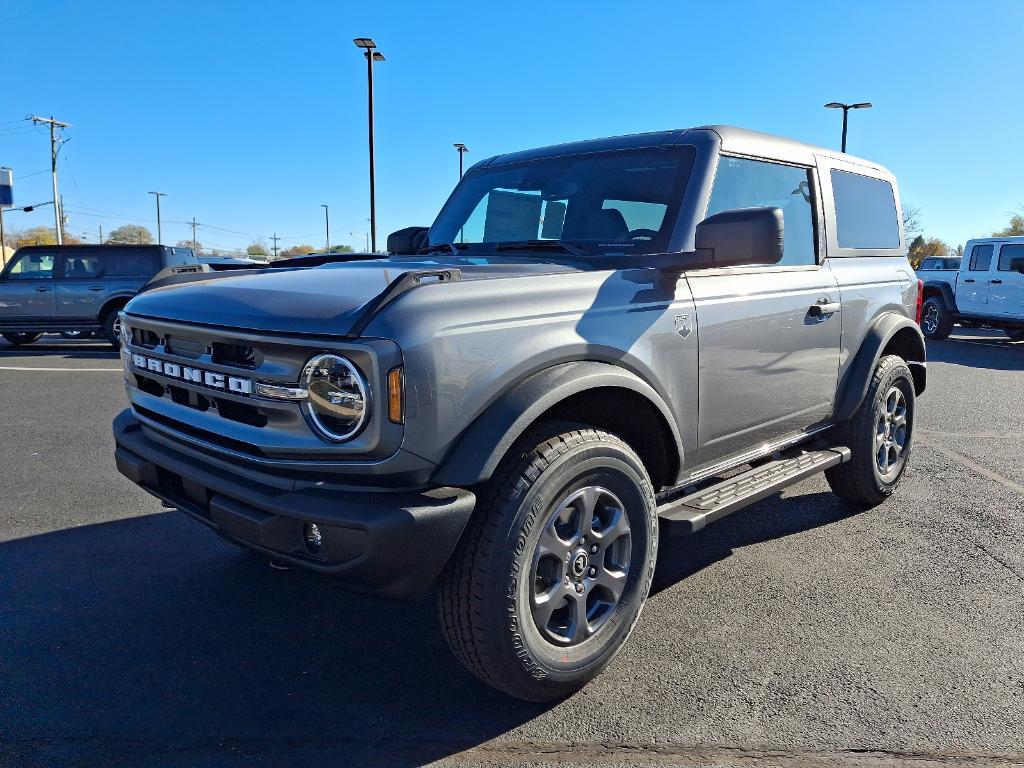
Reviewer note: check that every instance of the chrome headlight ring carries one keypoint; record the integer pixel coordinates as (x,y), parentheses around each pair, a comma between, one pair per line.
(337,403)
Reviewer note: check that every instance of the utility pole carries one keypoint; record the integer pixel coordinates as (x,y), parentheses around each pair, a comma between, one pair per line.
(63,217)
(54,125)
(3,240)
(101,234)
(159,234)
(275,238)
(194,234)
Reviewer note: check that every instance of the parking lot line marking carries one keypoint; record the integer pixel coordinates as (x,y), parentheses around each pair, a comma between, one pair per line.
(984,471)
(54,370)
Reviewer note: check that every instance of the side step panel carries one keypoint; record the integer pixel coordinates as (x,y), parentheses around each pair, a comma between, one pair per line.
(691,513)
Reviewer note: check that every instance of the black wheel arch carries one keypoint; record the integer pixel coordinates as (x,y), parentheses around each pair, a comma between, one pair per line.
(113,304)
(601,395)
(890,334)
(943,291)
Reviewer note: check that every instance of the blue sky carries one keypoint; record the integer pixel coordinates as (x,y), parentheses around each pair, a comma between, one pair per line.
(249,115)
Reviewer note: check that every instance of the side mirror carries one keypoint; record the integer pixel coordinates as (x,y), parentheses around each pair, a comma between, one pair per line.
(741,237)
(408,240)
(1017,265)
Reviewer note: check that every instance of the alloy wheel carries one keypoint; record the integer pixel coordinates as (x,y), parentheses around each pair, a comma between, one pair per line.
(892,431)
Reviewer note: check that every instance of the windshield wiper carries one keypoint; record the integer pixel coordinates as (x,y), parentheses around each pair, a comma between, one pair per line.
(450,247)
(543,245)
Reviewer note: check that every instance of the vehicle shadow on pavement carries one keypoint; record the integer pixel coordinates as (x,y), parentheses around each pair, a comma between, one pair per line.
(150,640)
(772,518)
(996,355)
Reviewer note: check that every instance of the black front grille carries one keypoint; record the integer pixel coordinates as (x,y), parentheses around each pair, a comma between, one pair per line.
(237,355)
(145,339)
(200,434)
(185,347)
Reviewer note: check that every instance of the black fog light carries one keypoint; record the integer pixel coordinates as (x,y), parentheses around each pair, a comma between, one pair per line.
(311,533)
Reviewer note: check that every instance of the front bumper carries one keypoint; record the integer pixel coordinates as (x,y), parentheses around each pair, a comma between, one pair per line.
(390,543)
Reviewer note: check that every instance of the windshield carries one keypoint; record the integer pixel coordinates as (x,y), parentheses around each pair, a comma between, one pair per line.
(619,202)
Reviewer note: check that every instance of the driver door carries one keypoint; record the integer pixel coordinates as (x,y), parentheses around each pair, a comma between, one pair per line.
(26,289)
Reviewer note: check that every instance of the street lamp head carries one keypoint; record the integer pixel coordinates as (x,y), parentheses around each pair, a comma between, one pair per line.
(377,56)
(861,105)
(364,42)
(461,147)
(834,105)
(323,205)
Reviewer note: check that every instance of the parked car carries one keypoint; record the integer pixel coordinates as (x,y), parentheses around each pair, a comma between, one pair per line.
(986,291)
(591,340)
(940,263)
(54,289)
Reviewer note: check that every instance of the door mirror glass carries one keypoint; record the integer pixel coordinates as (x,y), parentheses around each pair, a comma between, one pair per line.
(743,237)
(408,240)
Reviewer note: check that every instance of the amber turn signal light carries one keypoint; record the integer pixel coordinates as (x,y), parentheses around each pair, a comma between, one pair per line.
(395,410)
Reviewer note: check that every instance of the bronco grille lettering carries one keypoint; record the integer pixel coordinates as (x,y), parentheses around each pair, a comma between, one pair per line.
(239,385)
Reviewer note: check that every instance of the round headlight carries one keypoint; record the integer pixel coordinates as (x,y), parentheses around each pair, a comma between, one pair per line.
(338,400)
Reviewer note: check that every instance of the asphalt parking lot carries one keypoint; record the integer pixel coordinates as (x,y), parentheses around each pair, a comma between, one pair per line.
(793,633)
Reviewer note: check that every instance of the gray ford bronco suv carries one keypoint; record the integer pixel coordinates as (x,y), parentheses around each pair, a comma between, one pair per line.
(594,342)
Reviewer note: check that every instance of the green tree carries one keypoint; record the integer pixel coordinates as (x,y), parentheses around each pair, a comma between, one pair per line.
(342,249)
(131,234)
(257,248)
(33,236)
(1016,227)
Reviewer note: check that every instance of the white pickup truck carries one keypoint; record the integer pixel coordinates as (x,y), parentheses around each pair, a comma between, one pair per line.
(987,291)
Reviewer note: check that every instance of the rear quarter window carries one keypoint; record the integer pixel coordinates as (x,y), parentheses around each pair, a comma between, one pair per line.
(134,262)
(865,212)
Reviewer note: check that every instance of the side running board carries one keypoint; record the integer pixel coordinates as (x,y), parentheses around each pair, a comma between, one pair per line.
(691,513)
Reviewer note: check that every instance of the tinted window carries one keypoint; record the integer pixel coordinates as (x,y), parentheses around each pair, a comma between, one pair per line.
(134,262)
(865,211)
(1007,253)
(82,267)
(33,266)
(609,202)
(755,184)
(981,258)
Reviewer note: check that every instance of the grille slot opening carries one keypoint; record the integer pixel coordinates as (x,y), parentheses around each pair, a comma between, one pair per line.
(241,412)
(237,355)
(183,347)
(149,386)
(144,338)
(183,396)
(196,432)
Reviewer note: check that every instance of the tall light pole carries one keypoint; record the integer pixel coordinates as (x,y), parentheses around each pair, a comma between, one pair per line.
(54,148)
(159,233)
(327,224)
(846,109)
(461,149)
(372,54)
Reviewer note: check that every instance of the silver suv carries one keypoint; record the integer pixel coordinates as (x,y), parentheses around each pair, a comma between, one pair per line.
(594,342)
(51,288)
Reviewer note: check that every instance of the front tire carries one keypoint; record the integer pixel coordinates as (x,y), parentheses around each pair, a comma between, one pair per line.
(936,322)
(880,437)
(19,339)
(550,576)
(112,329)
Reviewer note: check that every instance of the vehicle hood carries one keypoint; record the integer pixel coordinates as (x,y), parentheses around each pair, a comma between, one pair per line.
(324,300)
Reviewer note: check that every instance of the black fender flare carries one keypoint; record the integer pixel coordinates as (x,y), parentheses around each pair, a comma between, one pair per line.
(113,303)
(485,442)
(942,289)
(883,330)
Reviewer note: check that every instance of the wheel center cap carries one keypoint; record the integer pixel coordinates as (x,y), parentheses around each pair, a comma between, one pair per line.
(579,564)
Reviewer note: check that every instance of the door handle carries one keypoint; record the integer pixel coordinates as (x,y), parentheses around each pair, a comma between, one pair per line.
(969,280)
(42,289)
(824,307)
(96,288)
(995,281)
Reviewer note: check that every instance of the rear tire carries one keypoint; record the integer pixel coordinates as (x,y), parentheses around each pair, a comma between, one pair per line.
(880,437)
(20,339)
(936,321)
(111,328)
(540,594)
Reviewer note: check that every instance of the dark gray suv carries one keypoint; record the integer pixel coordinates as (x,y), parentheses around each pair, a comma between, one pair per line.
(51,288)
(593,343)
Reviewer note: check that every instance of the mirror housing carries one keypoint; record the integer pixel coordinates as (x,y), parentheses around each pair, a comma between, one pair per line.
(408,240)
(741,237)
(1017,265)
